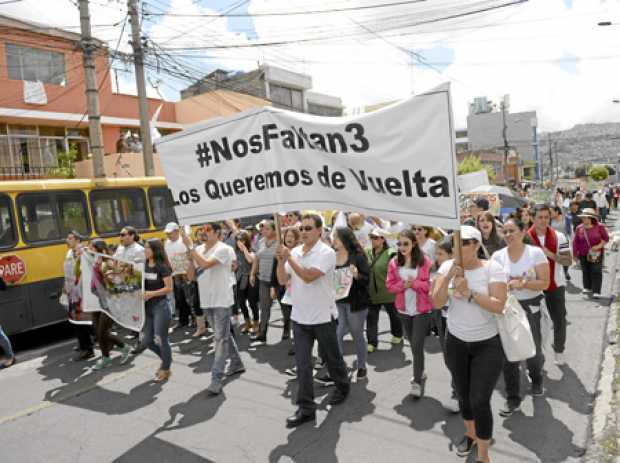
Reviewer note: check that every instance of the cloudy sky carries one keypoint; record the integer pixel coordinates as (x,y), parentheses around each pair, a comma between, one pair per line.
(549,55)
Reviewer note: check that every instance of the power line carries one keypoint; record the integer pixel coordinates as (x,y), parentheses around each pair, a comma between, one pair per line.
(290,13)
(343,36)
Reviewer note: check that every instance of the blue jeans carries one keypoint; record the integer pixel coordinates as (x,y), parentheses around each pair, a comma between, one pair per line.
(5,344)
(155,331)
(225,345)
(352,322)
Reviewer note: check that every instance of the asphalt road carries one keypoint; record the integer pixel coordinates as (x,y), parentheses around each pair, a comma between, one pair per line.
(57,410)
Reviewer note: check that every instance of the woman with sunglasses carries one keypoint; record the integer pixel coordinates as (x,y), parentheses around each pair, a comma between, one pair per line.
(473,349)
(157,286)
(425,242)
(246,293)
(409,278)
(528,276)
(351,262)
(490,237)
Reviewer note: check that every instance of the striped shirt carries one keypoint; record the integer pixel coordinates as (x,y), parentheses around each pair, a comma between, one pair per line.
(265,256)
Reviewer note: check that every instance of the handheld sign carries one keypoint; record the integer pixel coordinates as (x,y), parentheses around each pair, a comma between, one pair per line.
(398,163)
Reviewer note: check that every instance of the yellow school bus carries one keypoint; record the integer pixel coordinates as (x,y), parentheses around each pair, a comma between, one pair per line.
(35,218)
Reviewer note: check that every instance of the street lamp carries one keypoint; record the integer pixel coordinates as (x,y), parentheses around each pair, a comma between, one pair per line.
(605,23)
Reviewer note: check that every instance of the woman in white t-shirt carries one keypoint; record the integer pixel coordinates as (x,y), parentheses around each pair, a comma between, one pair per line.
(527,268)
(473,349)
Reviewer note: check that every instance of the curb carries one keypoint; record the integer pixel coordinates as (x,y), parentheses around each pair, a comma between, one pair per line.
(604,416)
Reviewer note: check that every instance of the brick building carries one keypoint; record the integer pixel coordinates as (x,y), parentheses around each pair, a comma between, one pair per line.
(43,102)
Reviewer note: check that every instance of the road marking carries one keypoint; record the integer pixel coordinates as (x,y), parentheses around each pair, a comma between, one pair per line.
(47,403)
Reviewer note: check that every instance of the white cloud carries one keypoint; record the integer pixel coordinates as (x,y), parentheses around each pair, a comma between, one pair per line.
(506,51)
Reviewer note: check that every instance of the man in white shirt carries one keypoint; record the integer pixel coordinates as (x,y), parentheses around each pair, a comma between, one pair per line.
(213,260)
(310,269)
(184,289)
(558,254)
(602,204)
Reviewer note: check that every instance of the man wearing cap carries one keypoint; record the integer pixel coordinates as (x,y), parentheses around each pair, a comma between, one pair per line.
(185,289)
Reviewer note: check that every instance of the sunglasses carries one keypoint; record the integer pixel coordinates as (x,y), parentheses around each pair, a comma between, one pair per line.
(206,230)
(123,234)
(306,228)
(403,244)
(375,237)
(419,229)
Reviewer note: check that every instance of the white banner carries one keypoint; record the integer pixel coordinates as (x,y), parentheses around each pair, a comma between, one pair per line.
(397,163)
(468,182)
(113,286)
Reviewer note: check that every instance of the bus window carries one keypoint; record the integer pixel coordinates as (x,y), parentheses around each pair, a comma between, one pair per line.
(37,217)
(7,230)
(72,213)
(113,209)
(162,206)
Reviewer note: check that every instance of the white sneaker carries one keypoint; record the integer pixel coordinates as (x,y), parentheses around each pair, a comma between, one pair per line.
(596,296)
(452,405)
(560,359)
(416,390)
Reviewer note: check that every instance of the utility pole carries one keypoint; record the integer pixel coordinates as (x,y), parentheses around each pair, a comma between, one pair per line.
(138,57)
(92,92)
(550,157)
(505,135)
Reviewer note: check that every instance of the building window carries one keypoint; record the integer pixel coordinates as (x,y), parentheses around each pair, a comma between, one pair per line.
(33,64)
(285,96)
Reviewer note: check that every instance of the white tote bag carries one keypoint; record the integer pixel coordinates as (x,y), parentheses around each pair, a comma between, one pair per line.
(546,329)
(515,332)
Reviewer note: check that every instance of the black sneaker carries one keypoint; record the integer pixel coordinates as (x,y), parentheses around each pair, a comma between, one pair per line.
(361,373)
(291,372)
(465,447)
(537,390)
(509,409)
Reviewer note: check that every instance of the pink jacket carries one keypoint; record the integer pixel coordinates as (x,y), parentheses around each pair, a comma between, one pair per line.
(421,285)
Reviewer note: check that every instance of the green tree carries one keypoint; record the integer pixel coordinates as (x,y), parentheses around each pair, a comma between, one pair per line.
(598,173)
(472,163)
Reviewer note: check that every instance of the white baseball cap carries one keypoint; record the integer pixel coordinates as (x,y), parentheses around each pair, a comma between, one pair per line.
(171,226)
(470,233)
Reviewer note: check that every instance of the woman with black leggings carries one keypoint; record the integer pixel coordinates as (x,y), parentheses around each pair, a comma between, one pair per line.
(473,348)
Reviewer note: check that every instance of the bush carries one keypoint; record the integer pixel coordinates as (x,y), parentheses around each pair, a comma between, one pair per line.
(472,163)
(598,173)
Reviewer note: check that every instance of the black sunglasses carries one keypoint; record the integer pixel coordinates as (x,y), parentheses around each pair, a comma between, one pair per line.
(306,228)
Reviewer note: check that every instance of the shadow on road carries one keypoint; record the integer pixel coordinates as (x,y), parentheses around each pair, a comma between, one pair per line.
(546,436)
(154,449)
(318,444)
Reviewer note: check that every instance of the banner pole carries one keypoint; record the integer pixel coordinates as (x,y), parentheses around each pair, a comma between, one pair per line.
(276,223)
(456,247)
